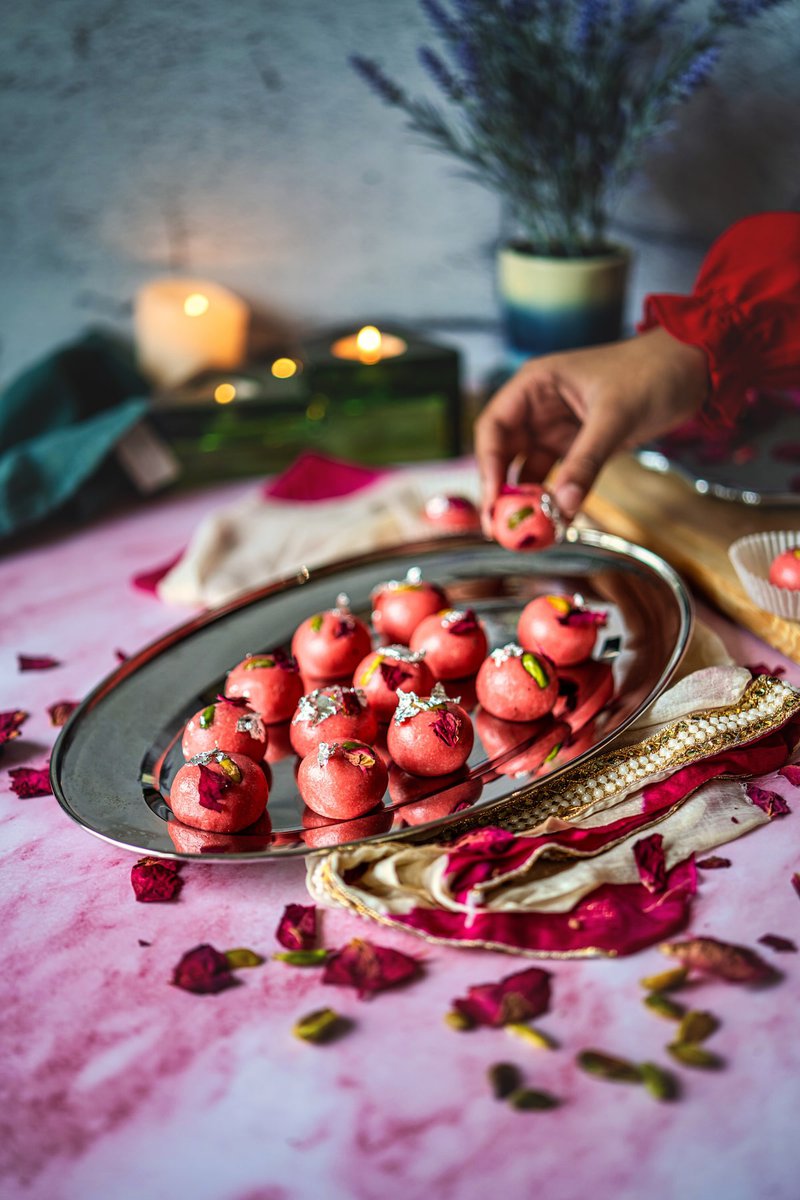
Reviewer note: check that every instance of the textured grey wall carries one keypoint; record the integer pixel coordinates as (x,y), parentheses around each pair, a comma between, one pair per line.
(233,141)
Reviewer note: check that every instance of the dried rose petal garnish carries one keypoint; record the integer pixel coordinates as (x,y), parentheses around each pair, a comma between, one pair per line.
(10,723)
(36,662)
(776,942)
(155,880)
(651,862)
(211,787)
(714,862)
(356,754)
(771,803)
(736,964)
(60,711)
(234,701)
(467,623)
(393,675)
(28,782)
(516,998)
(763,669)
(369,968)
(344,627)
(446,727)
(791,772)
(584,616)
(297,928)
(203,970)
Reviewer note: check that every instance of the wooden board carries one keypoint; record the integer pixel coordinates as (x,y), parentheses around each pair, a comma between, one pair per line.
(692,532)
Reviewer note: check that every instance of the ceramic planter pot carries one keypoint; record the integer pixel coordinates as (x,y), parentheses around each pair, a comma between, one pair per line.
(561,303)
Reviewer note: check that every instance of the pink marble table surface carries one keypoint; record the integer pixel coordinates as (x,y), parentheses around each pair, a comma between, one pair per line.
(117,1085)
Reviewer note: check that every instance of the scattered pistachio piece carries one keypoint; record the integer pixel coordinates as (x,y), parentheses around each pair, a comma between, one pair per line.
(692,1055)
(459,1021)
(240,957)
(528,1100)
(504,1078)
(322,1025)
(658,1003)
(659,1083)
(534,1037)
(606,1066)
(696,1027)
(302,958)
(665,981)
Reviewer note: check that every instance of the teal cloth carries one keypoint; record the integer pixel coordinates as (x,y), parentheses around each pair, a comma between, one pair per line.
(59,422)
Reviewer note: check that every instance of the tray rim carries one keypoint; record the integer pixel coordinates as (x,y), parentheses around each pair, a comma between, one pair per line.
(588,538)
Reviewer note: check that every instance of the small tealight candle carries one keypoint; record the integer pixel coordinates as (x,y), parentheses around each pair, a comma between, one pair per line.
(368,346)
(183,326)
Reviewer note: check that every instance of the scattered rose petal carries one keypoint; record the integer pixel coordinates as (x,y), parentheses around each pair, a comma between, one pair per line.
(771,803)
(737,964)
(791,772)
(241,957)
(446,727)
(28,782)
(369,968)
(651,862)
(10,723)
(203,970)
(393,675)
(120,656)
(776,942)
(516,998)
(297,928)
(211,787)
(60,711)
(796,882)
(37,662)
(155,880)
(714,863)
(142,942)
(763,669)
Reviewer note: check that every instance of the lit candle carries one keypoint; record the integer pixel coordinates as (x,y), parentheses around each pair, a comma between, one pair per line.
(183,326)
(368,346)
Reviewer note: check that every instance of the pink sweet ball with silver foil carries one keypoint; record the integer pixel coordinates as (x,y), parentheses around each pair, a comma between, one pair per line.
(455,514)
(398,606)
(221,793)
(517,684)
(392,669)
(561,626)
(524,517)
(454,642)
(331,644)
(225,725)
(342,779)
(430,735)
(784,571)
(270,682)
(331,714)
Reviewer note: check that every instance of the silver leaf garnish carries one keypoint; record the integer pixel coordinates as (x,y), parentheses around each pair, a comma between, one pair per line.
(409,704)
(553,513)
(453,615)
(504,653)
(317,706)
(208,756)
(251,723)
(402,654)
(324,752)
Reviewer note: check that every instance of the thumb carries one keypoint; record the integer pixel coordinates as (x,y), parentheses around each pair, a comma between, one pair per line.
(601,435)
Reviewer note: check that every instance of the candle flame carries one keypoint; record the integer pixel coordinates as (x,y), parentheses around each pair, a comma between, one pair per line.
(224,393)
(196,304)
(368,341)
(284,368)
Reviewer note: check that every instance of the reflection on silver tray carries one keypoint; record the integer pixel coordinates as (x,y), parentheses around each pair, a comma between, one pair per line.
(755,462)
(116,756)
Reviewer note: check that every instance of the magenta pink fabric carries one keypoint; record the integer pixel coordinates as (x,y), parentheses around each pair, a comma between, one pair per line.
(314,477)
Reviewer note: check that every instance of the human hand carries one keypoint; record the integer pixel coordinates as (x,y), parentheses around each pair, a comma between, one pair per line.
(581,407)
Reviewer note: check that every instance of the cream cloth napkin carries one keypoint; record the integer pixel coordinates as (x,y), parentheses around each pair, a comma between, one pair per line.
(256,540)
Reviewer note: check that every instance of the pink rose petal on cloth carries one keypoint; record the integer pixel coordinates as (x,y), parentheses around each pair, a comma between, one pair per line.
(60,711)
(155,880)
(763,669)
(518,997)
(713,863)
(723,960)
(148,581)
(781,944)
(120,656)
(614,919)
(297,928)
(28,782)
(651,863)
(771,803)
(796,882)
(10,724)
(791,772)
(40,662)
(369,968)
(203,970)
(211,787)
(314,477)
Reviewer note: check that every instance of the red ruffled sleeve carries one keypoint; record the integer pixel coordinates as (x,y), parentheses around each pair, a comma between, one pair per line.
(744,311)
